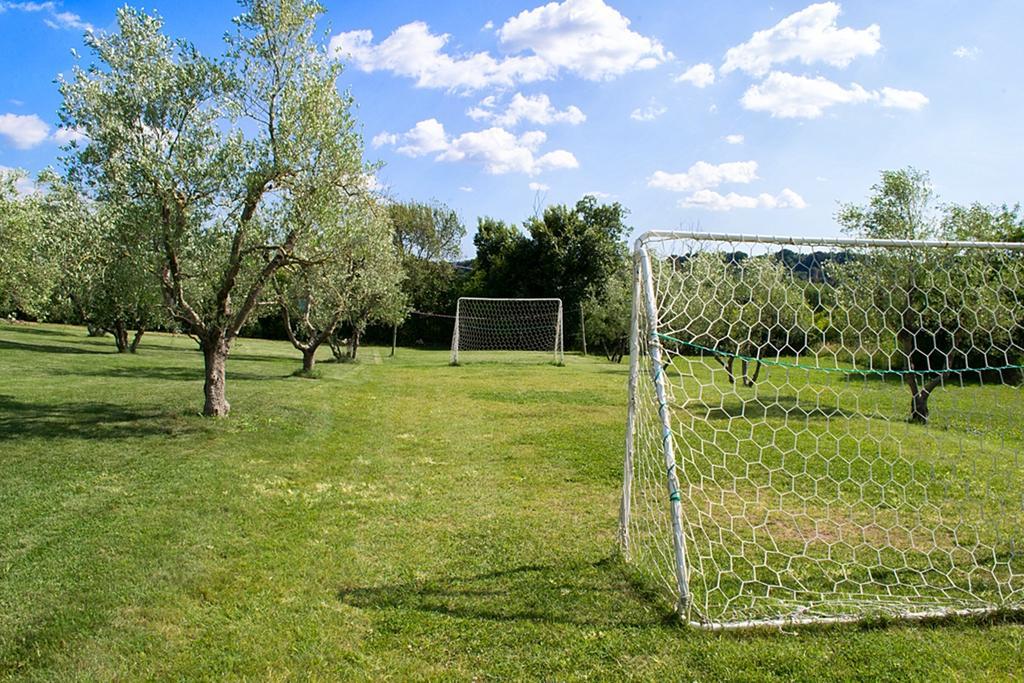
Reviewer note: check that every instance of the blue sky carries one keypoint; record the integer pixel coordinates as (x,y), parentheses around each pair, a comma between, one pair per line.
(735,116)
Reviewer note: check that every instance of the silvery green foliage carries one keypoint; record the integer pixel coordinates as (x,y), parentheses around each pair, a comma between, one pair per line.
(25,274)
(238,165)
(358,282)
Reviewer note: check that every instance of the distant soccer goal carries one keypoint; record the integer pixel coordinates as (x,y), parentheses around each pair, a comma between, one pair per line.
(826,430)
(485,328)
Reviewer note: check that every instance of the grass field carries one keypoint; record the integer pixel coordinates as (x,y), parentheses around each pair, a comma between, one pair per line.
(397,518)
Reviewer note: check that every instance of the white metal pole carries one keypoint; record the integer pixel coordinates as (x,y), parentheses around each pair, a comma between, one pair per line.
(658,377)
(561,335)
(634,371)
(455,334)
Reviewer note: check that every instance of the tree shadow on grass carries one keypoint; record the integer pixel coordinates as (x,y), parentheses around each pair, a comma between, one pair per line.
(164,374)
(82,420)
(30,328)
(52,348)
(599,594)
(780,407)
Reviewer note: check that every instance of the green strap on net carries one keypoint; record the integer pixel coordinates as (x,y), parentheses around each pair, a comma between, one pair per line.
(845,371)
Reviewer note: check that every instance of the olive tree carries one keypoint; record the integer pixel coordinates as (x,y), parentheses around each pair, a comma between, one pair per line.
(28,269)
(608,313)
(354,281)
(740,307)
(947,311)
(231,161)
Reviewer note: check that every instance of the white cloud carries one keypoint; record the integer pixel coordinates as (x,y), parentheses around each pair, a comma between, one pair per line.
(488,25)
(810,35)
(786,96)
(535,109)
(703,175)
(28,6)
(597,195)
(384,138)
(539,187)
(465,188)
(413,51)
(700,75)
(68,20)
(964,52)
(55,19)
(713,201)
(497,149)
(585,37)
(66,135)
(734,139)
(426,137)
(903,99)
(648,113)
(24,131)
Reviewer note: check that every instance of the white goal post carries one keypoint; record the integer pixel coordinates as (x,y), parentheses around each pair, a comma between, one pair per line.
(497,324)
(825,430)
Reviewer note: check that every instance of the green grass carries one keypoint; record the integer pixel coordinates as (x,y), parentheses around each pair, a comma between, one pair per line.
(397,518)
(791,488)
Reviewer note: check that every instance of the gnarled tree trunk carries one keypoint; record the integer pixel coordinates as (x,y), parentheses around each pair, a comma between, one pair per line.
(215,356)
(120,332)
(919,398)
(353,344)
(138,338)
(309,359)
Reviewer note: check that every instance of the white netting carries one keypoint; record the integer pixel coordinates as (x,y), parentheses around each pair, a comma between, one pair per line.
(846,424)
(526,326)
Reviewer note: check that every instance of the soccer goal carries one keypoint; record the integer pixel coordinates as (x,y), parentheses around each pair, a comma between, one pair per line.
(825,430)
(530,327)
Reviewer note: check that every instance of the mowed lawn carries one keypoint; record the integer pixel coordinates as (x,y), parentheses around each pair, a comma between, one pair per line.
(398,518)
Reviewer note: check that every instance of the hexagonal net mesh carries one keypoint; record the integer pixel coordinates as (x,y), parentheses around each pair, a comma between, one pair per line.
(826,430)
(529,328)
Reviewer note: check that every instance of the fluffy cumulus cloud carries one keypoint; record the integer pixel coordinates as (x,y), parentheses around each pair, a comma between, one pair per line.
(585,37)
(902,99)
(414,52)
(713,201)
(498,150)
(964,52)
(703,175)
(539,187)
(734,139)
(786,96)
(810,35)
(24,131)
(648,113)
(700,75)
(533,109)
(700,179)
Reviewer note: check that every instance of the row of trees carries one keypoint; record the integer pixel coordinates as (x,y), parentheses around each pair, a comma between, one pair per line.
(927,313)
(207,192)
(204,190)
